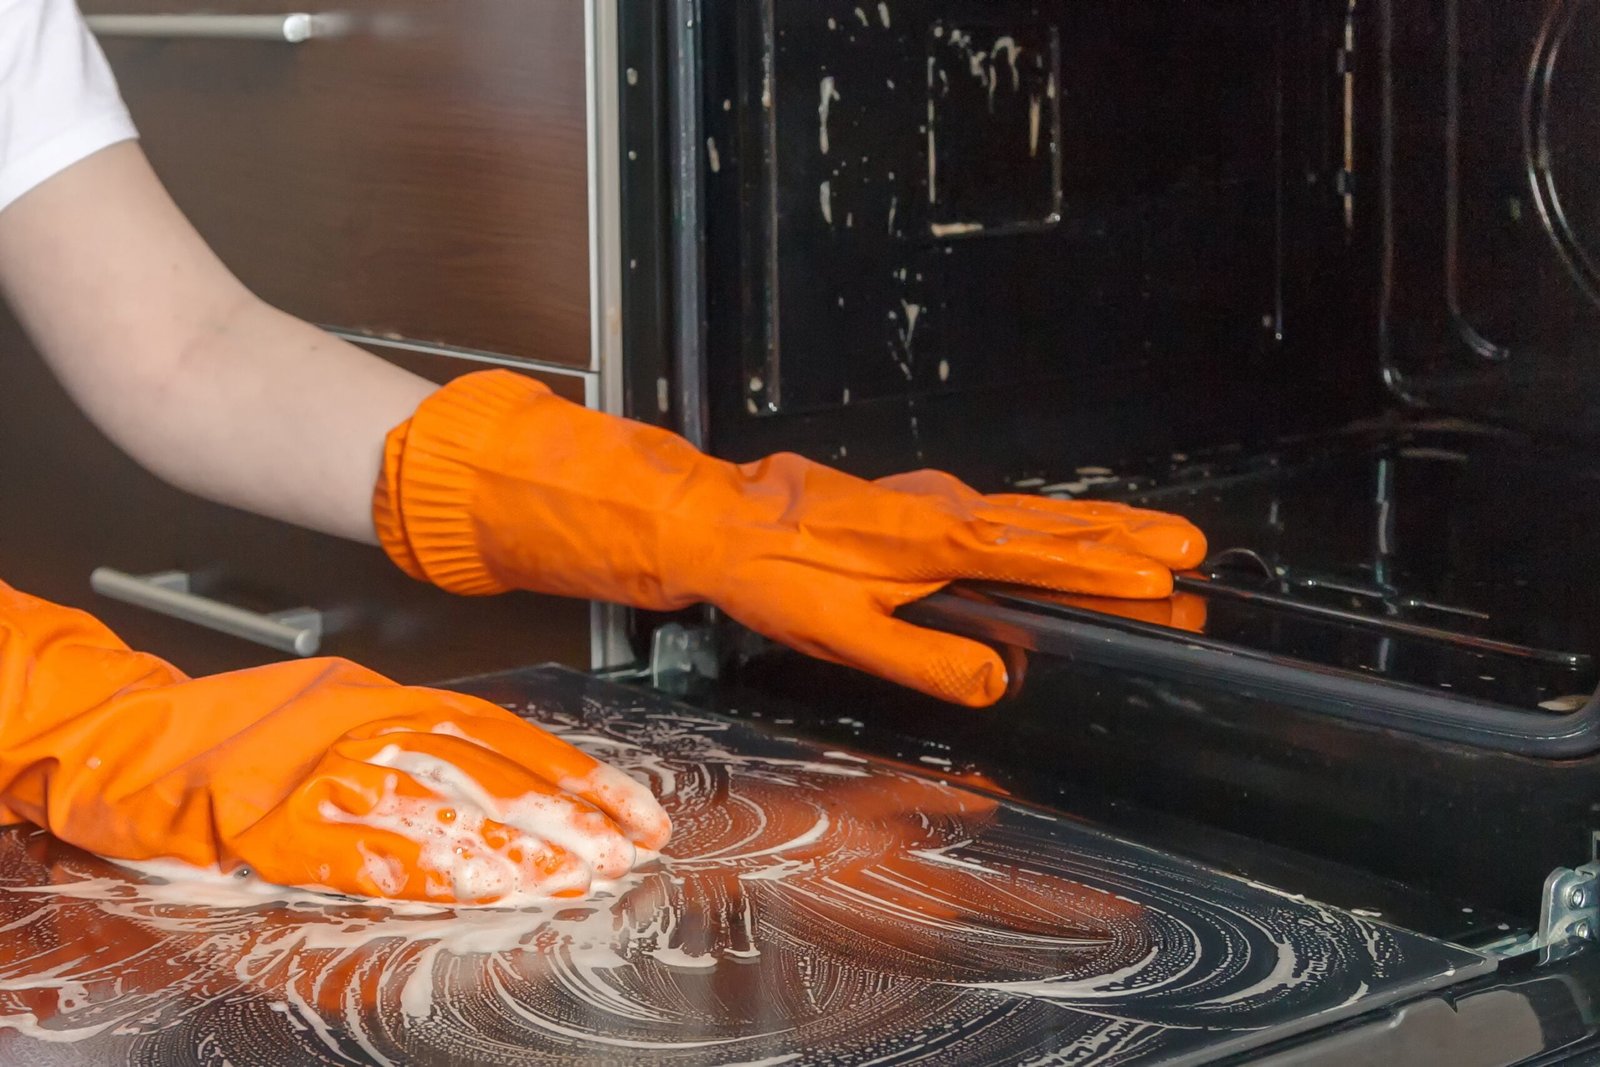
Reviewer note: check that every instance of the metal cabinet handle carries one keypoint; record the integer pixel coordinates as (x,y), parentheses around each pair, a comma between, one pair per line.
(289,29)
(298,631)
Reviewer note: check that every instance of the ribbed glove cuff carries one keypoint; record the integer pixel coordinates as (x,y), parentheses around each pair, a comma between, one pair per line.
(422,505)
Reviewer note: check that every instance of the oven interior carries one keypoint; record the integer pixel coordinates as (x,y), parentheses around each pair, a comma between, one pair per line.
(1316,274)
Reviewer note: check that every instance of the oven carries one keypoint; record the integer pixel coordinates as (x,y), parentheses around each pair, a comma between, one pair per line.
(1313,273)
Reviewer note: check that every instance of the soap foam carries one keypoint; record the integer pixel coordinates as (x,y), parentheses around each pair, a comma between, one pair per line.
(857,903)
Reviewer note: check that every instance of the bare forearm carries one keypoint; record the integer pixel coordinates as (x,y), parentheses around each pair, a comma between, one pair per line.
(181,366)
(269,414)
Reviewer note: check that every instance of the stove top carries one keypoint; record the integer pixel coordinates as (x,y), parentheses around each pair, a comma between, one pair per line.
(815,907)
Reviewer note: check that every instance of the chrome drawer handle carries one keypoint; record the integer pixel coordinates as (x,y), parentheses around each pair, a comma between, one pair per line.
(298,631)
(289,29)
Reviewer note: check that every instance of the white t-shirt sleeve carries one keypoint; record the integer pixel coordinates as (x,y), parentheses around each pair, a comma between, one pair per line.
(58,100)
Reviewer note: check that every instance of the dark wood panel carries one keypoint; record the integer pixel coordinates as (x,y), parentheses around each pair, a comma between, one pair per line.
(70,501)
(425,176)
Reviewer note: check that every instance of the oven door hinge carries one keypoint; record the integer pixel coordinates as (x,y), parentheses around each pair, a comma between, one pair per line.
(1569,917)
(1569,914)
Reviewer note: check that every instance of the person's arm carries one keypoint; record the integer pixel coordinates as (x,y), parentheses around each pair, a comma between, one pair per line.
(493,483)
(181,366)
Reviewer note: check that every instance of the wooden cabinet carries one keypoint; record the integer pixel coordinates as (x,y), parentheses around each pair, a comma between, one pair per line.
(71,502)
(419,177)
(422,174)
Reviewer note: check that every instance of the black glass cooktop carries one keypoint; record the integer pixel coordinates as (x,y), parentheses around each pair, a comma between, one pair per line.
(815,907)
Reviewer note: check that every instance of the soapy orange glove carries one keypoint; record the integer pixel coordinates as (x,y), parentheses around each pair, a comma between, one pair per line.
(495,483)
(315,773)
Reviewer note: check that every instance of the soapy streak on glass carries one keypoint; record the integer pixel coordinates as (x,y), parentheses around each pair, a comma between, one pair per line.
(983,65)
(987,67)
(812,908)
(829,93)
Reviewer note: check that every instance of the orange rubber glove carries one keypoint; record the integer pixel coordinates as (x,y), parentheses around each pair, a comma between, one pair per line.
(315,773)
(1181,611)
(495,484)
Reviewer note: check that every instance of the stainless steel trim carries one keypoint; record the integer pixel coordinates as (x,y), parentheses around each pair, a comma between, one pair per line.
(298,631)
(428,348)
(605,199)
(686,141)
(608,626)
(294,28)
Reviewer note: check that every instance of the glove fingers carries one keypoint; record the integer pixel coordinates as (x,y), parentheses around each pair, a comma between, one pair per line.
(628,802)
(1168,539)
(463,770)
(429,816)
(1027,557)
(941,665)
(1093,508)
(929,483)
(947,487)
(1182,611)
(398,839)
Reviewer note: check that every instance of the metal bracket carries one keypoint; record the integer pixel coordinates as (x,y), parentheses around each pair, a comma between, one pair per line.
(1570,912)
(680,654)
(1569,917)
